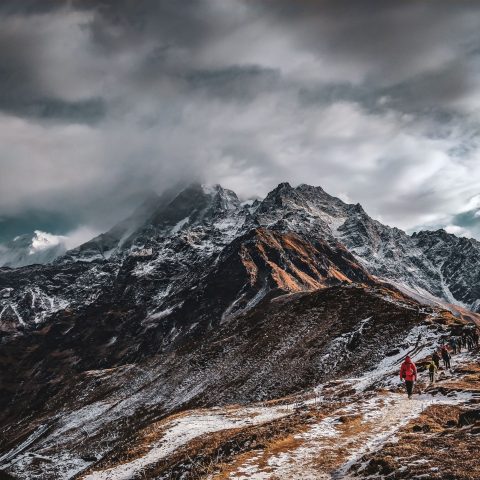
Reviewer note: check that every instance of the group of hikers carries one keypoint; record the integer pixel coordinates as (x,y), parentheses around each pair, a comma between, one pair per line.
(468,339)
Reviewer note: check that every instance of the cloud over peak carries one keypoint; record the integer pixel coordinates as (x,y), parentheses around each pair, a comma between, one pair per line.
(101,101)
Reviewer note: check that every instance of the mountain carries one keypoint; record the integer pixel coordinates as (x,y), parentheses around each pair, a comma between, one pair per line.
(39,247)
(167,258)
(198,300)
(432,266)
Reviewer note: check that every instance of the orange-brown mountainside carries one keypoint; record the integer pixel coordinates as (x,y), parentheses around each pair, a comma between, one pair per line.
(117,329)
(266,262)
(296,264)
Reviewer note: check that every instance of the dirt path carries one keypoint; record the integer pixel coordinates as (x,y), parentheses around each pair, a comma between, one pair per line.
(329,448)
(325,449)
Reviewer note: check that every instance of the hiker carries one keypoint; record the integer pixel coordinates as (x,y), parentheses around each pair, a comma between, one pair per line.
(453,345)
(464,339)
(432,368)
(436,359)
(446,357)
(475,338)
(469,341)
(459,344)
(408,373)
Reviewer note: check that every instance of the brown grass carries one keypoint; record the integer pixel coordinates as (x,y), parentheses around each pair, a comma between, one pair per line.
(428,448)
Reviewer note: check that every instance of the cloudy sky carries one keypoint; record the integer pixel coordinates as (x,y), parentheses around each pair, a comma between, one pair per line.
(101,101)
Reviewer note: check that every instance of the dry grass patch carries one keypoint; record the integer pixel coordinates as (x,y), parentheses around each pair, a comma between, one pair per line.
(430,446)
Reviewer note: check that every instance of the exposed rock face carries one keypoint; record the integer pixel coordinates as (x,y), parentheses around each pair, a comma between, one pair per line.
(428,264)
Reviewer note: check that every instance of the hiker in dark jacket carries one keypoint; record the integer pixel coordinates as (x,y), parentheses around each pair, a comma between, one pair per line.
(453,344)
(446,357)
(436,359)
(432,368)
(408,373)
(475,338)
(469,341)
(459,344)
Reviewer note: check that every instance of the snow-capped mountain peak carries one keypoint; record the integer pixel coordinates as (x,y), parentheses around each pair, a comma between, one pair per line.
(43,241)
(39,247)
(180,236)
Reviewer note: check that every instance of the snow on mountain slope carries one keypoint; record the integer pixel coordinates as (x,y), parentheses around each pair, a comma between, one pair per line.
(77,383)
(442,265)
(445,266)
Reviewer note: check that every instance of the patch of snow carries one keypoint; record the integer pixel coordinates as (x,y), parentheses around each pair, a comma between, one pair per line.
(6,292)
(20,319)
(180,431)
(143,269)
(175,229)
(81,418)
(11,454)
(161,314)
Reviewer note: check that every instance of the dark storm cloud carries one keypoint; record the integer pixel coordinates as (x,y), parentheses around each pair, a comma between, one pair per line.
(374,100)
(83,111)
(234,83)
(389,41)
(30,7)
(22,92)
(117,23)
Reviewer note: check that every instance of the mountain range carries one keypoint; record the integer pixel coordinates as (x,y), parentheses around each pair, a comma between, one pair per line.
(166,255)
(199,300)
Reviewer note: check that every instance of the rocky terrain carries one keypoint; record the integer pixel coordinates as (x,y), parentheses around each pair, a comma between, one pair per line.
(321,402)
(145,352)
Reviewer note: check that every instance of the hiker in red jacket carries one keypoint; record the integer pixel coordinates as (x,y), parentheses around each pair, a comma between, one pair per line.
(408,373)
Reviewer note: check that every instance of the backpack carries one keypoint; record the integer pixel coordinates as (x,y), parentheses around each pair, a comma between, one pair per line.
(409,370)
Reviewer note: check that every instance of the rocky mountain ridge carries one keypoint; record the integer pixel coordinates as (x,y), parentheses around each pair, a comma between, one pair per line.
(432,265)
(165,254)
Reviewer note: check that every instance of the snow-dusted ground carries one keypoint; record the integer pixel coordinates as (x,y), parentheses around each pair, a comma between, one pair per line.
(382,415)
(181,430)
